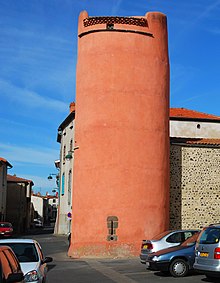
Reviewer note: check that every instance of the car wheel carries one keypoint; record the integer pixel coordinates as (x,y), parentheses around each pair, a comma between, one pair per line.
(179,268)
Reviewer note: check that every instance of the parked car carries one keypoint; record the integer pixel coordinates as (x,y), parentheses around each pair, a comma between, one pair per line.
(207,250)
(10,269)
(31,258)
(178,261)
(164,240)
(38,223)
(6,229)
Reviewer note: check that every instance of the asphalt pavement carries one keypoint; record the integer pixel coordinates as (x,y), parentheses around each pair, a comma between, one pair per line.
(67,270)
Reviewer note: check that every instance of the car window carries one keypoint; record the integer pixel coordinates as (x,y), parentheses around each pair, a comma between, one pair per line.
(5,225)
(190,241)
(12,260)
(25,252)
(210,235)
(6,268)
(160,236)
(175,238)
(188,234)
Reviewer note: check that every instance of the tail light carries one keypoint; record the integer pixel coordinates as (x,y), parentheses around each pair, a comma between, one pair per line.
(217,253)
(147,246)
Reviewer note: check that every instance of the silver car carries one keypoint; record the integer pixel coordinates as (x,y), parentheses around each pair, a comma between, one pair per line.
(30,257)
(164,240)
(207,250)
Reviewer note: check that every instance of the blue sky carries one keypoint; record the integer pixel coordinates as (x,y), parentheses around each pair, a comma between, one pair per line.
(38,51)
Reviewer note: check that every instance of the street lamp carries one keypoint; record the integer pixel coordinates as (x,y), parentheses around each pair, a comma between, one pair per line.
(69,155)
(50,176)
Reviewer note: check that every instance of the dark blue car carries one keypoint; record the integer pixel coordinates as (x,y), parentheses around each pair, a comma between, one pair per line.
(176,260)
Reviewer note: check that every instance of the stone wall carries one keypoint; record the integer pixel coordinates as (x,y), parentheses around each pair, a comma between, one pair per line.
(194,186)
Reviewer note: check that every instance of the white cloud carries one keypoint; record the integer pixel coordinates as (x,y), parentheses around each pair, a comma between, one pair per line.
(30,99)
(40,156)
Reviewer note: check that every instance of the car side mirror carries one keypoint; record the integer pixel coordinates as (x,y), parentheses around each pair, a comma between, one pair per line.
(47,259)
(15,277)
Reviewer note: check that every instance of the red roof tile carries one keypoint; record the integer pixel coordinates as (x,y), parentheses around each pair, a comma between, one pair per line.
(16,179)
(186,113)
(204,141)
(196,141)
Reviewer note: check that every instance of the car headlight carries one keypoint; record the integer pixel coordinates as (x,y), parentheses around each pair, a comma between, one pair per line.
(31,276)
(155,258)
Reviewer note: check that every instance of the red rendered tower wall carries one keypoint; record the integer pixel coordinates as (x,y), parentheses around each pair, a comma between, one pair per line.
(121,168)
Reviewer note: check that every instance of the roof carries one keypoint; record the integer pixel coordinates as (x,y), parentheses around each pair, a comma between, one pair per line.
(15,179)
(3,160)
(196,141)
(64,124)
(45,196)
(183,113)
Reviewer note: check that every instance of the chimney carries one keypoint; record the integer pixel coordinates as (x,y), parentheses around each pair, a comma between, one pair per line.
(72,107)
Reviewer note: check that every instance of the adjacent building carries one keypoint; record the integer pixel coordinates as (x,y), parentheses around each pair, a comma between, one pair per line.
(194,168)
(4,165)
(18,203)
(45,208)
(65,137)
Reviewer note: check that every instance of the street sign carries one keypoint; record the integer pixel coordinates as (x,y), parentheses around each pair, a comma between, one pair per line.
(69,215)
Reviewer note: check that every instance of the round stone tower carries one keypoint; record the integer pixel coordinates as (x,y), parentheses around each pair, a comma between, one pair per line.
(121,157)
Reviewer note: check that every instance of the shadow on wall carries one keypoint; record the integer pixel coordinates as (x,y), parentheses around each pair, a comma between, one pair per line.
(175,187)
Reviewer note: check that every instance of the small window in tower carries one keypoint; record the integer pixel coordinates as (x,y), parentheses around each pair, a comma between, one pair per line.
(64,154)
(198,126)
(110,26)
(112,225)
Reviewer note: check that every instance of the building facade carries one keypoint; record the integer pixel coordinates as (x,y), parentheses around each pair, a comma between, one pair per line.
(65,137)
(18,203)
(4,165)
(194,169)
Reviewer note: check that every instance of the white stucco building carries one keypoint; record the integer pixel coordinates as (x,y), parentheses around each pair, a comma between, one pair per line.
(65,137)
(185,123)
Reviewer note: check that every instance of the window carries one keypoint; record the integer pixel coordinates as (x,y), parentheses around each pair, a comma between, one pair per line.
(25,252)
(71,145)
(12,260)
(175,238)
(5,265)
(188,234)
(64,153)
(69,186)
(63,184)
(112,225)
(210,236)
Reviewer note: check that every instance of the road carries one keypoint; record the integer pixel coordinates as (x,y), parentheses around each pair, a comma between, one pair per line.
(66,270)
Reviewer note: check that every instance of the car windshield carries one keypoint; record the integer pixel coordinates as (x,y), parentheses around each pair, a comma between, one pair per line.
(210,235)
(160,236)
(190,241)
(5,225)
(25,252)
